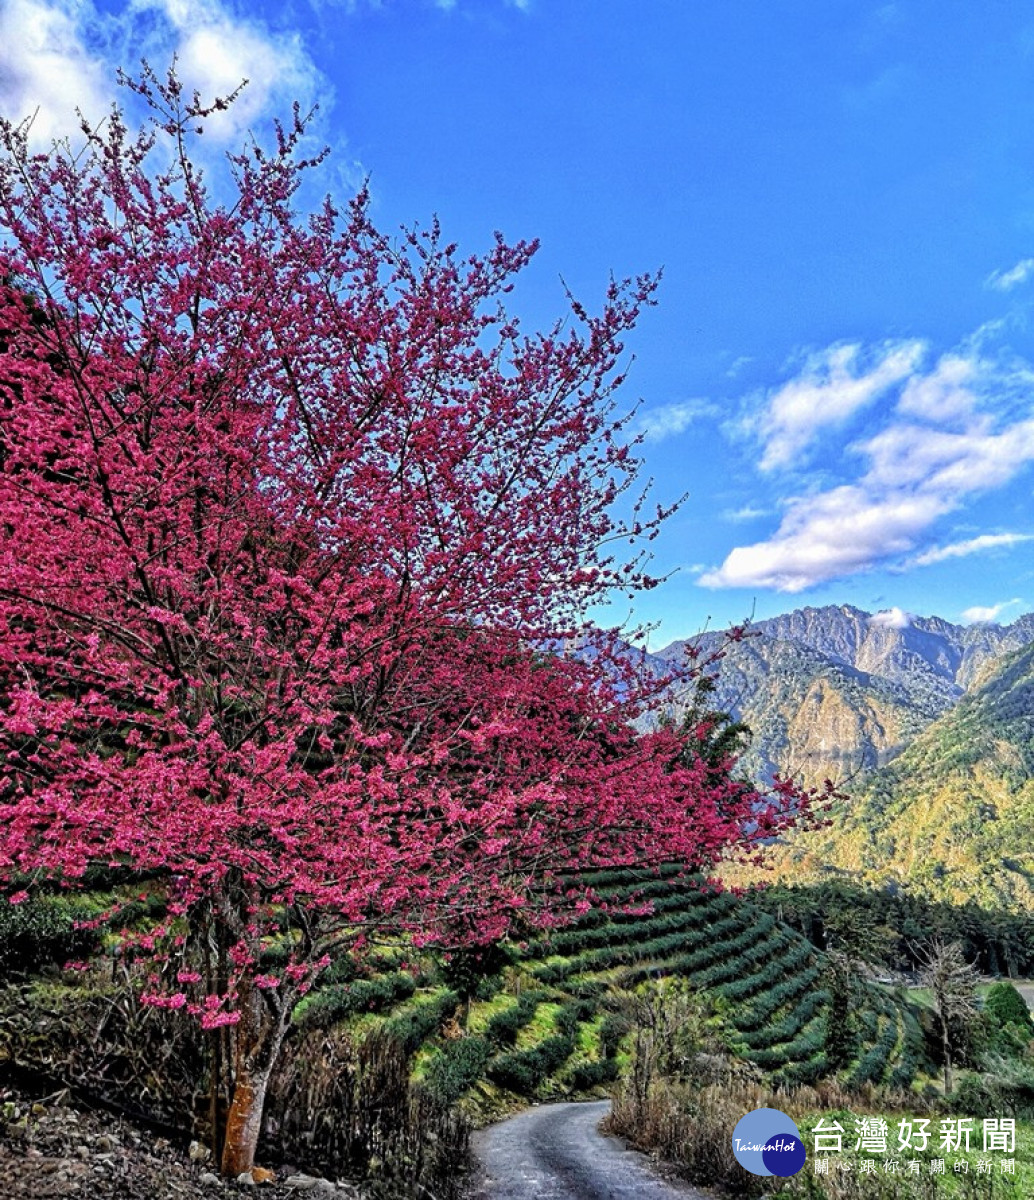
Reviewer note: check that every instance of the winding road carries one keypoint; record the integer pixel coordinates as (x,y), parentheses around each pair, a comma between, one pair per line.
(556,1152)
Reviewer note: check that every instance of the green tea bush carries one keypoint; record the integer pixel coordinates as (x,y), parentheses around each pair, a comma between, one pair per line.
(503,1028)
(43,931)
(873,1062)
(572,1014)
(784,1029)
(762,1010)
(420,1021)
(328,1005)
(807,1044)
(913,1052)
(613,1028)
(457,1067)
(524,1071)
(798,1073)
(587,989)
(617,877)
(593,1074)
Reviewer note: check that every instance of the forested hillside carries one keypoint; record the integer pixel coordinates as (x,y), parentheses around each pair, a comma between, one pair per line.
(953,816)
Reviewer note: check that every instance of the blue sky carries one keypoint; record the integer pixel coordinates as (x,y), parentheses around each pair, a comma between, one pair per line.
(840,369)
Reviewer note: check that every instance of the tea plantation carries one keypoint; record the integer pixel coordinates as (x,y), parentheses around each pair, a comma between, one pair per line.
(552,1023)
(549,1019)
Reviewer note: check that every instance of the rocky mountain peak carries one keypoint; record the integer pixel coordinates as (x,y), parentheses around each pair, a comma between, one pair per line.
(837,691)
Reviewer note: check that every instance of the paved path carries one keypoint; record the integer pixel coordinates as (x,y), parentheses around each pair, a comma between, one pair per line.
(1026,990)
(555,1152)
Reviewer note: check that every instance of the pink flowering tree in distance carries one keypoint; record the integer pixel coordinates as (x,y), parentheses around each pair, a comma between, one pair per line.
(297,532)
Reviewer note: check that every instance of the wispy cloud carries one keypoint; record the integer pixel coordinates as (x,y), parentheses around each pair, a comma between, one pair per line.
(946,462)
(834,533)
(747,513)
(986,541)
(978,615)
(952,434)
(1005,281)
(668,420)
(945,394)
(833,385)
(215,49)
(451,5)
(60,55)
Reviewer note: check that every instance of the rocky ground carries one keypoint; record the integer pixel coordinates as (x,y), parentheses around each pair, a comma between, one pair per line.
(48,1149)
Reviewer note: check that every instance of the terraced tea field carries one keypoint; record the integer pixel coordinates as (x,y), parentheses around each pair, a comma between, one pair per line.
(552,1025)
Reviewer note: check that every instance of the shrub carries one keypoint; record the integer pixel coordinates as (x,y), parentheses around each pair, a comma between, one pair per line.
(613,1028)
(572,1014)
(524,1071)
(1004,1006)
(329,1005)
(593,1074)
(503,1028)
(43,931)
(416,1024)
(457,1067)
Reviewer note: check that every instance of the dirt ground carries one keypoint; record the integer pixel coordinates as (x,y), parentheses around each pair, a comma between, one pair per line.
(50,1150)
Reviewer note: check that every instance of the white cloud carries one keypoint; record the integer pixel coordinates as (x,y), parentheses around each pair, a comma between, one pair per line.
(215,50)
(668,420)
(834,384)
(978,615)
(959,429)
(950,462)
(747,513)
(47,70)
(891,618)
(1005,281)
(450,5)
(986,541)
(60,55)
(839,532)
(944,394)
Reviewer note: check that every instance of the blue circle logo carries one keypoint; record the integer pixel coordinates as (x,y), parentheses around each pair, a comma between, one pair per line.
(767,1142)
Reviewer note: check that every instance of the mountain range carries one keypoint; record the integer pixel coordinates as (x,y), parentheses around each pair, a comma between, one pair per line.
(836,692)
(926,726)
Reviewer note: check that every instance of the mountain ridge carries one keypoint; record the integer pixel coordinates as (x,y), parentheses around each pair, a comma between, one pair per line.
(837,692)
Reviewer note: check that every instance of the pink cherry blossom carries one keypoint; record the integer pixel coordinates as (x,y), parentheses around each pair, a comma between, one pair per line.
(297,531)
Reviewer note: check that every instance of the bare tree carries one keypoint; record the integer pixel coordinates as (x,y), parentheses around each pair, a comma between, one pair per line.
(953,982)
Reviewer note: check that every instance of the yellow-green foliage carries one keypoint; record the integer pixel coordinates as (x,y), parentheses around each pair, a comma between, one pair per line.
(953,816)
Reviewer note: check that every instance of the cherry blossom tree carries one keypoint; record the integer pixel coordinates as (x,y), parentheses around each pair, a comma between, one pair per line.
(298,529)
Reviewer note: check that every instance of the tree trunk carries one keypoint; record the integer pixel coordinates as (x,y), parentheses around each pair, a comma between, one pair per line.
(244,1122)
(259,1036)
(213,1094)
(946,1044)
